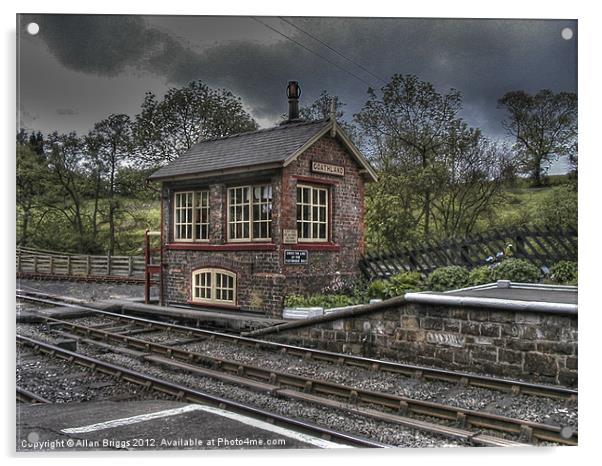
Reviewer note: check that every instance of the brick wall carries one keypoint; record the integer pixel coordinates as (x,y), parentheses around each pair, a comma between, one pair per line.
(327,270)
(535,346)
(262,277)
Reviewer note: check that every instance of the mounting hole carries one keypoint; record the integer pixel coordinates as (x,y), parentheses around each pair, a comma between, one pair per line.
(567,33)
(33,28)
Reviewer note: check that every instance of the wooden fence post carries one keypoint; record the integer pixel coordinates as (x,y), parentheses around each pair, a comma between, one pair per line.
(51,264)
(88,266)
(19,260)
(68,265)
(108,264)
(130,266)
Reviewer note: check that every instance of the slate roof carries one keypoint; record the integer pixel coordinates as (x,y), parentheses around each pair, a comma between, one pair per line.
(273,145)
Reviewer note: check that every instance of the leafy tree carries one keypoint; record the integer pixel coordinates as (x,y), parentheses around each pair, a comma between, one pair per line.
(67,185)
(30,180)
(545,127)
(476,172)
(559,208)
(110,144)
(412,130)
(166,128)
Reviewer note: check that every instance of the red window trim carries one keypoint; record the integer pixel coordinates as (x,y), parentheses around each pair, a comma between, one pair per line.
(314,246)
(311,179)
(254,246)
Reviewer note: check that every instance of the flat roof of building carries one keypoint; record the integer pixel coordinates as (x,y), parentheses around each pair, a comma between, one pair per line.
(521,292)
(505,295)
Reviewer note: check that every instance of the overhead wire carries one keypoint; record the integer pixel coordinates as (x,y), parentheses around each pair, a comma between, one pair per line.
(329,47)
(313,52)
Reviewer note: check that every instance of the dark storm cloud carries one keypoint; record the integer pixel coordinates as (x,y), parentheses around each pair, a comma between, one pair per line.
(481,58)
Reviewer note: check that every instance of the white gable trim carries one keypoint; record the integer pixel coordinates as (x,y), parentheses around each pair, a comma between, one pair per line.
(340,134)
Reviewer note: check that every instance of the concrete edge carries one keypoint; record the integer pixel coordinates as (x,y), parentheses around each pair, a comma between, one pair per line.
(495,303)
(351,312)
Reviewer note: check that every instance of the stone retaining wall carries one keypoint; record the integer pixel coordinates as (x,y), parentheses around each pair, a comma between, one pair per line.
(535,346)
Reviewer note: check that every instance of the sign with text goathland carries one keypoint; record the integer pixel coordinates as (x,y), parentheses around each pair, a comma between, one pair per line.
(327,168)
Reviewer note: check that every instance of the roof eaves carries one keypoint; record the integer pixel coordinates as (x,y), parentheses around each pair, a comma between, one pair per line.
(220,172)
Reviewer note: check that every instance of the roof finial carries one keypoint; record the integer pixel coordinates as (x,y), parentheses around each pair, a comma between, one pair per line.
(333,118)
(333,109)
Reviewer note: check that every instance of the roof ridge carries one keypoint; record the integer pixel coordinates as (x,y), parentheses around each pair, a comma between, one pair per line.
(265,130)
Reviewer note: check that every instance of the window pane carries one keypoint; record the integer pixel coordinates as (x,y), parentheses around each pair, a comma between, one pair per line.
(322,197)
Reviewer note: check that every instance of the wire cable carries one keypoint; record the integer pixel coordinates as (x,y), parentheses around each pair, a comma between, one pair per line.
(317,39)
(313,52)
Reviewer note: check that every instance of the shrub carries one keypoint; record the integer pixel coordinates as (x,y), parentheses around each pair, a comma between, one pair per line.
(376,289)
(327,301)
(402,283)
(559,208)
(517,270)
(447,278)
(294,300)
(564,272)
(481,275)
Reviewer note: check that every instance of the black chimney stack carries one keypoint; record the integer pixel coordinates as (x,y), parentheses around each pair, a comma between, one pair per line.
(293,92)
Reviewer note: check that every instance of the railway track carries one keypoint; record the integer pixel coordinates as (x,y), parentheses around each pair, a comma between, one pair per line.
(408,370)
(188,394)
(458,423)
(25,396)
(191,395)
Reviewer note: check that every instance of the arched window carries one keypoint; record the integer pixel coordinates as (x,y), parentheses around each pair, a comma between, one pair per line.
(216,286)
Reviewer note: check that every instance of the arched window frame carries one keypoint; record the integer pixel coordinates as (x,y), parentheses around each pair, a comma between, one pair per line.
(213,289)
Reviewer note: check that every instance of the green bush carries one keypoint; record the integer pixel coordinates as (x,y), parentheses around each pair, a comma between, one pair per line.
(402,283)
(517,270)
(294,300)
(447,278)
(396,285)
(480,275)
(559,208)
(376,290)
(564,272)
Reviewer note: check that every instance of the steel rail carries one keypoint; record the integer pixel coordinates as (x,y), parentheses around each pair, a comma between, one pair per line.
(184,393)
(188,394)
(408,370)
(406,406)
(25,396)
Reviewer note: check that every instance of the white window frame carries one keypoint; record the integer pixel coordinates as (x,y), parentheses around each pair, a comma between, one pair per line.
(195,221)
(251,220)
(213,286)
(311,204)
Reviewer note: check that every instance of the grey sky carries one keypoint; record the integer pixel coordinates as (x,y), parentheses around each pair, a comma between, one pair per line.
(79,69)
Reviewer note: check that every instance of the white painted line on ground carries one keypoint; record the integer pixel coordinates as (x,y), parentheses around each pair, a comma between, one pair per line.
(318,442)
(130,420)
(315,441)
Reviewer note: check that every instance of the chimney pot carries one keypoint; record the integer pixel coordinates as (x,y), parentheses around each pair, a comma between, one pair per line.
(293,92)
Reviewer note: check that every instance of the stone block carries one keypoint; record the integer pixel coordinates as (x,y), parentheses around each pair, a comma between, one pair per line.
(430,323)
(541,364)
(510,356)
(470,328)
(490,330)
